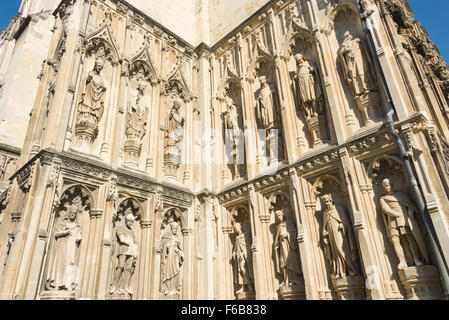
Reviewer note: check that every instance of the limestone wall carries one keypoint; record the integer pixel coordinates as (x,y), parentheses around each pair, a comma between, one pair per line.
(225,15)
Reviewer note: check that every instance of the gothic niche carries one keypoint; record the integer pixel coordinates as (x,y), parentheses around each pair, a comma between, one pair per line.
(233,126)
(125,249)
(93,90)
(268,112)
(172,254)
(242,262)
(62,272)
(405,229)
(307,88)
(286,251)
(174,129)
(338,239)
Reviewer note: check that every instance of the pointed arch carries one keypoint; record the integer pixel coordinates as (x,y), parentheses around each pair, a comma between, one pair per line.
(176,83)
(143,62)
(102,39)
(297,30)
(260,55)
(333,11)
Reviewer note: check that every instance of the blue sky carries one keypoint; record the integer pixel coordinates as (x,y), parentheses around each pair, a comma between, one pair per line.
(433,14)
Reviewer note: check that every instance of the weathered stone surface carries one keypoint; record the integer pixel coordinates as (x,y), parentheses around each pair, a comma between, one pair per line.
(219,149)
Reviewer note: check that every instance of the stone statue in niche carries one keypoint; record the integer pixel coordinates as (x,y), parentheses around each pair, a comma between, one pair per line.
(243,276)
(63,268)
(174,137)
(172,261)
(233,130)
(91,105)
(266,106)
(339,241)
(287,260)
(127,253)
(357,67)
(403,227)
(137,123)
(310,97)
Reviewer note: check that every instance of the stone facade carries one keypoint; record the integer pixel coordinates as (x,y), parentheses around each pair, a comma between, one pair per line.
(201,150)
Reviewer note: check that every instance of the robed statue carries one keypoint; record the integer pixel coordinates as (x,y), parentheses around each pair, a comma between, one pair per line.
(64,257)
(243,275)
(339,242)
(137,114)
(172,260)
(357,66)
(93,93)
(267,104)
(287,257)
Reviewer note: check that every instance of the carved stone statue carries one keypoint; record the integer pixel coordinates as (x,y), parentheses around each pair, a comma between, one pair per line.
(172,260)
(357,67)
(309,89)
(63,267)
(339,242)
(233,131)
(127,253)
(267,105)
(232,118)
(287,260)
(358,72)
(174,137)
(309,97)
(243,276)
(403,228)
(137,114)
(91,105)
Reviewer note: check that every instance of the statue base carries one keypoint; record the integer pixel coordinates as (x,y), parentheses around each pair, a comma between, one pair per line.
(58,295)
(367,103)
(421,283)
(164,296)
(132,150)
(118,296)
(246,295)
(316,126)
(350,288)
(294,292)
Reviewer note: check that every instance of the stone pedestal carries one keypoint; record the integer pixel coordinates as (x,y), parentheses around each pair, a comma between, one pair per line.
(350,288)
(367,103)
(246,295)
(58,295)
(316,127)
(294,292)
(421,283)
(132,150)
